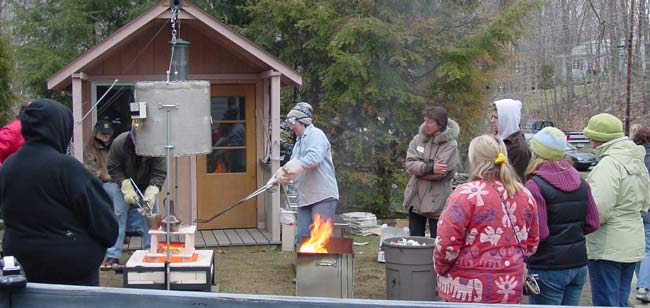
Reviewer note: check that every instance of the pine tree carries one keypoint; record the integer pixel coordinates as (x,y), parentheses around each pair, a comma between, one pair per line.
(369,68)
(51,33)
(6,74)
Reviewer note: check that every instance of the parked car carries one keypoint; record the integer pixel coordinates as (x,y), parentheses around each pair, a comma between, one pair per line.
(533,126)
(581,160)
(577,138)
(530,128)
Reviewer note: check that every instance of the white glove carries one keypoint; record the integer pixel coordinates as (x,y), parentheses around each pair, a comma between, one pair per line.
(130,197)
(150,195)
(278,174)
(290,169)
(293,167)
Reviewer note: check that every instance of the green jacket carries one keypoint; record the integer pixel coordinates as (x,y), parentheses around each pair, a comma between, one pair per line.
(619,184)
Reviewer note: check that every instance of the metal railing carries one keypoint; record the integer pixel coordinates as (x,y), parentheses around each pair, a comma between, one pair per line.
(63,296)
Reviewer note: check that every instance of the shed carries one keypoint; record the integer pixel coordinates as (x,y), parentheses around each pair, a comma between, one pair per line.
(245,84)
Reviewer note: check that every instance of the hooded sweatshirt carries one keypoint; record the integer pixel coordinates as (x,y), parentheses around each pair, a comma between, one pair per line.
(619,185)
(565,179)
(57,215)
(509,113)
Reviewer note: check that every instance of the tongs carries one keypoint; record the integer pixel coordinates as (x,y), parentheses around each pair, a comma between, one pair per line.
(252,195)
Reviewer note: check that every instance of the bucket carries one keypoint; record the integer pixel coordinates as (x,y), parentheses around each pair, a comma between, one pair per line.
(409,269)
(153,221)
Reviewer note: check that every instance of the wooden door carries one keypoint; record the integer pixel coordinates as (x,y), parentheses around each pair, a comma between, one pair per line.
(229,172)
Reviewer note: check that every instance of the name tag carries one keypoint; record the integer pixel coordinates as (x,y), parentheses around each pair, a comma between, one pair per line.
(420,149)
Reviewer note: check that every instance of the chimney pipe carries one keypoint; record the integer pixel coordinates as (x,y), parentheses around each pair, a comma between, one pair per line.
(180,61)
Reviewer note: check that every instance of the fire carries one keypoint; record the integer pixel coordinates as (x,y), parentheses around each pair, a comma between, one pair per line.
(319,236)
(174,247)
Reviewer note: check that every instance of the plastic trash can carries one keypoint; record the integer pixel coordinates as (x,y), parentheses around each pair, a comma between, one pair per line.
(409,269)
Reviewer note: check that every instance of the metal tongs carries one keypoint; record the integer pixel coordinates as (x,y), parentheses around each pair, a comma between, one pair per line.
(254,194)
(147,208)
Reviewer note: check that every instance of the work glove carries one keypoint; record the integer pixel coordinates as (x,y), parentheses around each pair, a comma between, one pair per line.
(274,179)
(291,169)
(150,195)
(130,197)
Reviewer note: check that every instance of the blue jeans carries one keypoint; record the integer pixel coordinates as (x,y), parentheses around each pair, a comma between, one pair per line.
(121,211)
(643,267)
(610,282)
(559,287)
(326,209)
(133,221)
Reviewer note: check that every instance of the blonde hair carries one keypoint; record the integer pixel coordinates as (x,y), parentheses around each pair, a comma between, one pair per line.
(483,151)
(536,161)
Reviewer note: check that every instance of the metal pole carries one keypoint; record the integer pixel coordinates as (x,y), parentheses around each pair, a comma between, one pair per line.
(169,148)
(628,96)
(175,181)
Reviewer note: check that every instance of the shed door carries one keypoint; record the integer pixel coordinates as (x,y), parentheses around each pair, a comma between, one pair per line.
(228,173)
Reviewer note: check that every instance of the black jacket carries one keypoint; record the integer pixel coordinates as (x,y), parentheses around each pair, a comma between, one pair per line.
(124,163)
(58,217)
(565,246)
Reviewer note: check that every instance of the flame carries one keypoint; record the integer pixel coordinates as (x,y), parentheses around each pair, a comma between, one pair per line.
(321,230)
(174,247)
(174,259)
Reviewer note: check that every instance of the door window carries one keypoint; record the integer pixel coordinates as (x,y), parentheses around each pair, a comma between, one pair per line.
(228,135)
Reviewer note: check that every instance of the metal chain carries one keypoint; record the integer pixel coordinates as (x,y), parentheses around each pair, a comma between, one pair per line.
(173,20)
(174,17)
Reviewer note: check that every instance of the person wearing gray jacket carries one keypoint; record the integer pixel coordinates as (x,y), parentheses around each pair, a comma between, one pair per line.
(431,160)
(312,171)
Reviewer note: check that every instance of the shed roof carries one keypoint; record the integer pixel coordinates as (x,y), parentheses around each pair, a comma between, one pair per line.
(62,78)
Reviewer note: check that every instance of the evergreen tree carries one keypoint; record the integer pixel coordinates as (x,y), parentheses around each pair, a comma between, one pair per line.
(370,67)
(51,33)
(6,73)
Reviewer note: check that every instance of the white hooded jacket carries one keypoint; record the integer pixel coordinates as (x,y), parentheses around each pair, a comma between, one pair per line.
(509,116)
(509,111)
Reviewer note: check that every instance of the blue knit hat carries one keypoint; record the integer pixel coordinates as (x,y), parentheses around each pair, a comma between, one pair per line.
(549,143)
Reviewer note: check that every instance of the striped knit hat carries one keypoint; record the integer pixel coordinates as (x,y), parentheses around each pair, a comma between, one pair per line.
(302,112)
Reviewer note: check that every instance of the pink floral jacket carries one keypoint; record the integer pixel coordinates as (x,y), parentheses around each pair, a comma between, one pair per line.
(477,256)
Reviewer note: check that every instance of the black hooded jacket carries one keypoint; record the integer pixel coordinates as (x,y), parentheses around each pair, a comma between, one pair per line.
(58,217)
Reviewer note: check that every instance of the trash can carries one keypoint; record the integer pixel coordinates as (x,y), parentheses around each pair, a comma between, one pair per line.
(409,269)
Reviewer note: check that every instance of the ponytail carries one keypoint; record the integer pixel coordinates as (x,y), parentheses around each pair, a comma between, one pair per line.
(488,160)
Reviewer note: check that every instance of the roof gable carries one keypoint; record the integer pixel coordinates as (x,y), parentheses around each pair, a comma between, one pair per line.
(62,78)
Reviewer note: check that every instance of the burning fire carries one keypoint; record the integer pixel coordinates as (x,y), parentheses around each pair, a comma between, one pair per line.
(319,236)
(174,247)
